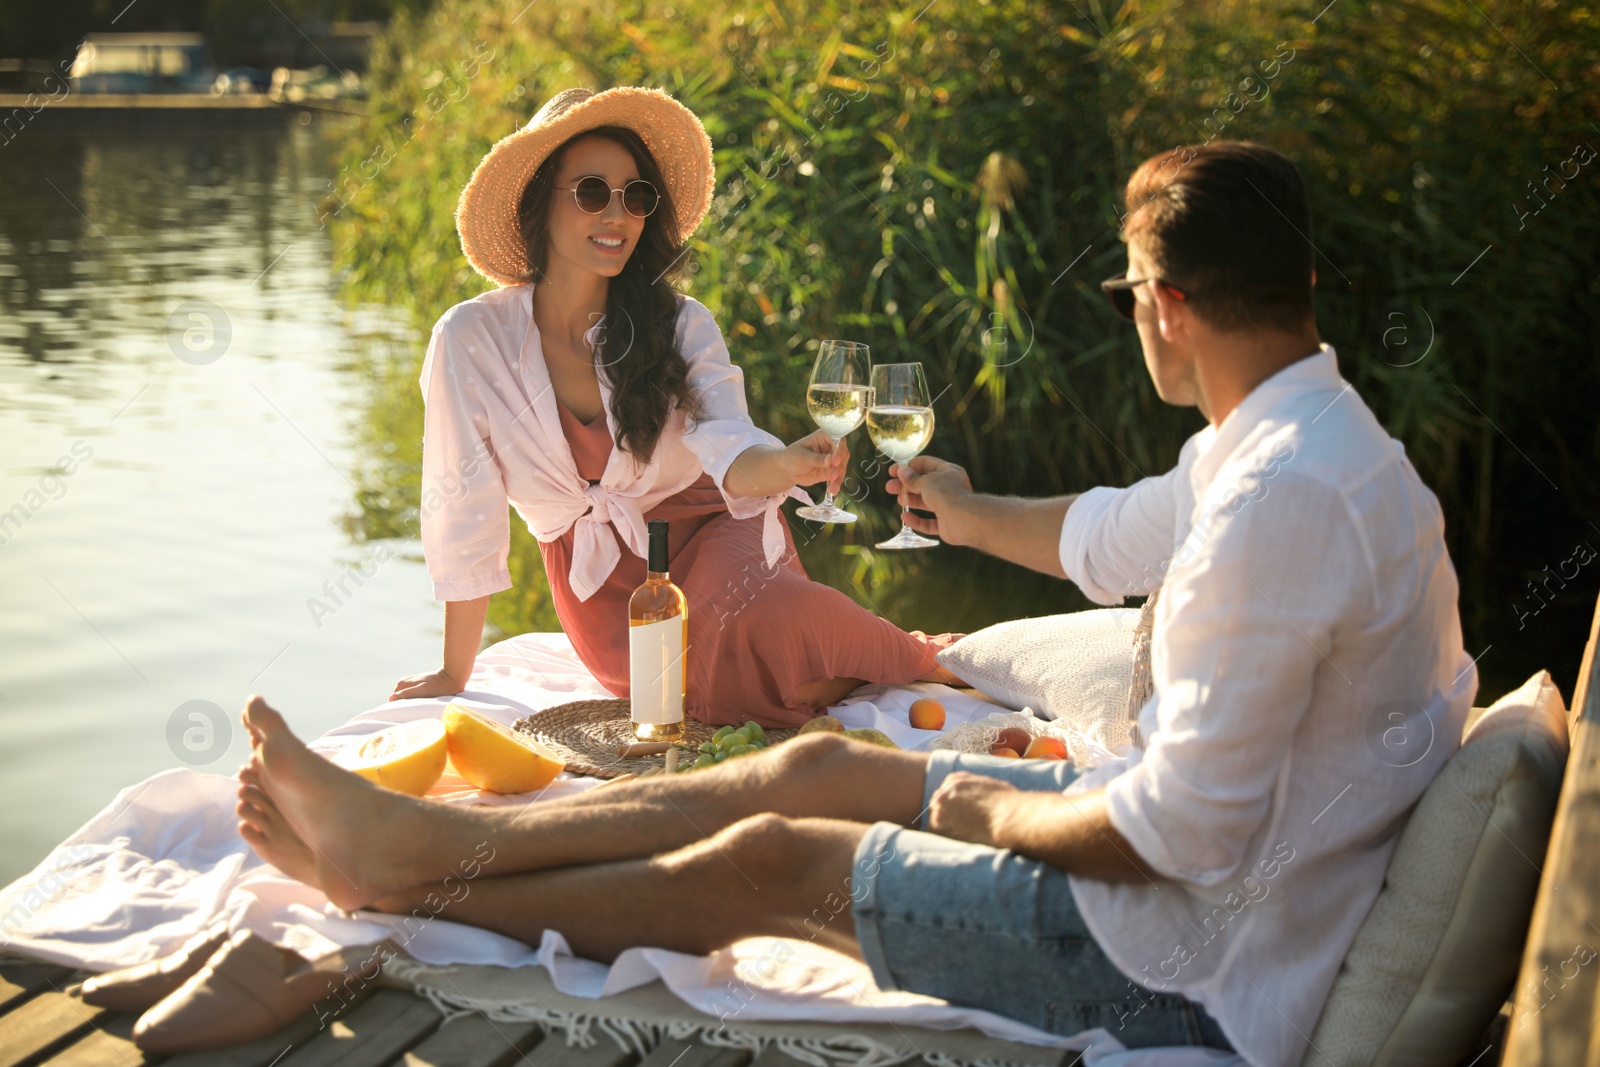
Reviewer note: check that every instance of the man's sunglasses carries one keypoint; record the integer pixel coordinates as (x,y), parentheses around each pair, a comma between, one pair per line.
(593,194)
(1119,291)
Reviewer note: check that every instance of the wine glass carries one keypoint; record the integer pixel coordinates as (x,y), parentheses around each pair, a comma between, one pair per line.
(900,422)
(837,398)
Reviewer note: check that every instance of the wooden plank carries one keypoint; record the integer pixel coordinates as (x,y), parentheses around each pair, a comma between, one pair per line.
(1557,995)
(109,1044)
(259,1053)
(554,1051)
(159,101)
(371,1034)
(773,1056)
(473,1041)
(18,981)
(677,1054)
(40,1025)
(183,102)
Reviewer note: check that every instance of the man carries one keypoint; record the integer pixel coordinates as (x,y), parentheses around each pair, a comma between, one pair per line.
(1309,682)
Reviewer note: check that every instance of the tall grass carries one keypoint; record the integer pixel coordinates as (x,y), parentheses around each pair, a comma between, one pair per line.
(942,182)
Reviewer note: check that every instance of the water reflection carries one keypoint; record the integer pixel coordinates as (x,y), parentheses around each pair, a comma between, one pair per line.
(175,491)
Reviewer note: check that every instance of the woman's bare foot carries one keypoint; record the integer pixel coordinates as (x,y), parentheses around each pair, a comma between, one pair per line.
(938,643)
(330,828)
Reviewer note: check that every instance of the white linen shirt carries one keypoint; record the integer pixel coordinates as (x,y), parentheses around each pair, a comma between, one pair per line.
(1309,680)
(492,434)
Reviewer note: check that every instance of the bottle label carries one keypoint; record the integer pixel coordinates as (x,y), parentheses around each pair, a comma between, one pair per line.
(655,671)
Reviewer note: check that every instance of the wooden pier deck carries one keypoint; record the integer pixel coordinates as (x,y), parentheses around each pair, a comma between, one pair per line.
(45,1024)
(102,110)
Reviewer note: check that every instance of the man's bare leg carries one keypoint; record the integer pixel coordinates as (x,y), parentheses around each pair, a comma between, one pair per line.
(333,829)
(764,875)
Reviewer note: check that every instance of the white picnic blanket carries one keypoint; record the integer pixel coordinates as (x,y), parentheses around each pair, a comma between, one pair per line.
(163,860)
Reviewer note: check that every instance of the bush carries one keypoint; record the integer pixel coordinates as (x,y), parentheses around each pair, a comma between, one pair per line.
(944,185)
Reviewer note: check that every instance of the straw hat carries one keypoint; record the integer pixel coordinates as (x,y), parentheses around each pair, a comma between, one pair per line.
(486,217)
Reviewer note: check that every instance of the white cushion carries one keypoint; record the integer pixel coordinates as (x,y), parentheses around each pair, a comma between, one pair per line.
(1076,667)
(1440,949)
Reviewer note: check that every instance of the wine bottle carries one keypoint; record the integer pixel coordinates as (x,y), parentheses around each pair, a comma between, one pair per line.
(658,639)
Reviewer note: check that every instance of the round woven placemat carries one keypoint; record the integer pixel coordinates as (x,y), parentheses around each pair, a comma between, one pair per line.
(586,733)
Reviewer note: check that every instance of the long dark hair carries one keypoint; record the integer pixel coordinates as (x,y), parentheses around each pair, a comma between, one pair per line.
(642,303)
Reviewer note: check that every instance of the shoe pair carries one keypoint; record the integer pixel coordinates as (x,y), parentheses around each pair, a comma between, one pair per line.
(137,988)
(218,989)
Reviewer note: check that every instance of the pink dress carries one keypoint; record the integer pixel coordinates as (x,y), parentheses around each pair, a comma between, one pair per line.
(756,633)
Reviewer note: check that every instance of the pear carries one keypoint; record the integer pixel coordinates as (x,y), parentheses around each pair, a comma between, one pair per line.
(825,724)
(870,736)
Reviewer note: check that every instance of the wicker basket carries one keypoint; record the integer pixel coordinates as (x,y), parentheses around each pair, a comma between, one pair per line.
(586,733)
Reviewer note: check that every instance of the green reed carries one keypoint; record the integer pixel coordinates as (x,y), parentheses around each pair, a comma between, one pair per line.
(945,186)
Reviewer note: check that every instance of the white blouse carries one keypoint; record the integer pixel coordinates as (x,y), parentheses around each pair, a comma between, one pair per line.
(492,435)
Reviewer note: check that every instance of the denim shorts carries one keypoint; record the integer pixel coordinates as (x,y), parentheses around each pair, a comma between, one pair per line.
(987,928)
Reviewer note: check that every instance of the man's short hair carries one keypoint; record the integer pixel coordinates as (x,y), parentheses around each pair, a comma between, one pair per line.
(1228,223)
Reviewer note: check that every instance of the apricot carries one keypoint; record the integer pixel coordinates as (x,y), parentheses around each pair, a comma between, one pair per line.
(1015,738)
(1045,746)
(1004,752)
(927,714)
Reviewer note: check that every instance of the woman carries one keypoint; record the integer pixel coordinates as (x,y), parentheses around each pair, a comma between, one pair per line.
(594,397)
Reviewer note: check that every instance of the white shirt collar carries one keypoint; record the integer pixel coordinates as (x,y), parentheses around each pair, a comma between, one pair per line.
(1214,444)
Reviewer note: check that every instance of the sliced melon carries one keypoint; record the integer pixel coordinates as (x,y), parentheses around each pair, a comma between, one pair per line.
(495,758)
(407,758)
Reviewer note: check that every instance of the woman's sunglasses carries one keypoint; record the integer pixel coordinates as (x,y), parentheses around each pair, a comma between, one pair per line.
(1120,292)
(593,194)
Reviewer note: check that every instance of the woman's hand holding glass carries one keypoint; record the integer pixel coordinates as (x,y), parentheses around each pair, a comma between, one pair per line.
(816,457)
(837,397)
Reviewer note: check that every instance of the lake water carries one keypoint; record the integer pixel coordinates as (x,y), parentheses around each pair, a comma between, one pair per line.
(210,466)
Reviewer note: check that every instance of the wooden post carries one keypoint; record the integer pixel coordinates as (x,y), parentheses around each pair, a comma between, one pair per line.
(1557,997)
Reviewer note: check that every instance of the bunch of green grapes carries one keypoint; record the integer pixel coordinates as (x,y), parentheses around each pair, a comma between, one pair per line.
(730,741)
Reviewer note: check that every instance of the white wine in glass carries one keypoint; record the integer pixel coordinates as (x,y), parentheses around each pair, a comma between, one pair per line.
(838,398)
(900,423)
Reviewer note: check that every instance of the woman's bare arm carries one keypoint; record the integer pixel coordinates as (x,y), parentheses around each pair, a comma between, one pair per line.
(463,633)
(762,470)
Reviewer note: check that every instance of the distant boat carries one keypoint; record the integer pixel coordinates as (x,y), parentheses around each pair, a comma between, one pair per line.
(127,79)
(143,63)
